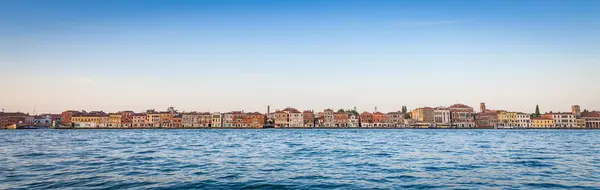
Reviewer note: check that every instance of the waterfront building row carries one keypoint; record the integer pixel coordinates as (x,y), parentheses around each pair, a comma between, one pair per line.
(454,116)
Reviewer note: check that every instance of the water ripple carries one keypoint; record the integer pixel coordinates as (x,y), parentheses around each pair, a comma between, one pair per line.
(300,159)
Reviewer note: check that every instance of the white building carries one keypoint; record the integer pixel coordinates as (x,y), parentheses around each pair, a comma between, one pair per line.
(562,120)
(353,120)
(217,120)
(295,117)
(523,120)
(441,115)
(42,120)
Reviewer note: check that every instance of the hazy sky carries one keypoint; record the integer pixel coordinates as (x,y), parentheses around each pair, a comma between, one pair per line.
(226,55)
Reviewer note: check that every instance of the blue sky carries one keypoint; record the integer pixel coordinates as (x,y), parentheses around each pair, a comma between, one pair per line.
(244,55)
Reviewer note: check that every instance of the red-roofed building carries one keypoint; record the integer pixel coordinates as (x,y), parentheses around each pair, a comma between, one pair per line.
(462,116)
(592,119)
(366,119)
(340,119)
(309,118)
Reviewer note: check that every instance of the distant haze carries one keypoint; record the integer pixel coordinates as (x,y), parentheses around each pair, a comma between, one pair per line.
(245,55)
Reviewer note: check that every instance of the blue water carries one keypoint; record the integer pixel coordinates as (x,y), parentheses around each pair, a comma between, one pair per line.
(299,159)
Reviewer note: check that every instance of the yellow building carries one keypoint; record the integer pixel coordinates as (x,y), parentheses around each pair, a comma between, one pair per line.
(580,123)
(114,120)
(507,119)
(542,123)
(423,114)
(86,119)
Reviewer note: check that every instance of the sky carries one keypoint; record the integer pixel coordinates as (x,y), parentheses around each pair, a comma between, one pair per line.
(223,55)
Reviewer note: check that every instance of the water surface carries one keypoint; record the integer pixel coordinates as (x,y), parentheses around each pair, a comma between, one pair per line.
(299,159)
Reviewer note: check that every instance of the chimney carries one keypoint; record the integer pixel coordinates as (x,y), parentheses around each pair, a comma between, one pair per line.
(268,109)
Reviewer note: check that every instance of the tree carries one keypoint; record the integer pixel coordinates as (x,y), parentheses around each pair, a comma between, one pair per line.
(585,110)
(404,110)
(537,111)
(341,110)
(353,112)
(407,116)
(171,110)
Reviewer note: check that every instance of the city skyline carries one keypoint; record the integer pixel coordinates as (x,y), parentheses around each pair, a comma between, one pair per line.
(194,55)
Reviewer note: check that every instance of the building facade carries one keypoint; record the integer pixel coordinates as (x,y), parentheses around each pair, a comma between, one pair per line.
(366,120)
(441,115)
(216,120)
(592,119)
(140,120)
(461,116)
(329,118)
(308,118)
(541,123)
(562,120)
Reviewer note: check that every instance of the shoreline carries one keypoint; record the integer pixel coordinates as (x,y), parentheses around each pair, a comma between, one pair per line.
(307,128)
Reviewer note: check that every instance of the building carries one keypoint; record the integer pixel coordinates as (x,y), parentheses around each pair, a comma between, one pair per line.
(580,123)
(295,117)
(380,120)
(425,114)
(487,119)
(523,120)
(239,119)
(320,121)
(228,119)
(282,119)
(396,119)
(441,115)
(562,120)
(126,118)
(216,120)
(190,119)
(205,119)
(353,120)
(92,119)
(366,120)
(66,117)
(592,119)
(44,120)
(329,118)
(507,120)
(139,120)
(154,120)
(308,118)
(8,119)
(114,120)
(540,123)
(166,118)
(175,121)
(461,116)
(255,119)
(340,119)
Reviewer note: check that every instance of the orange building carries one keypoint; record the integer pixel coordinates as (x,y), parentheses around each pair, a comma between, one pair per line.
(340,119)
(309,118)
(66,117)
(255,120)
(380,119)
(366,119)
